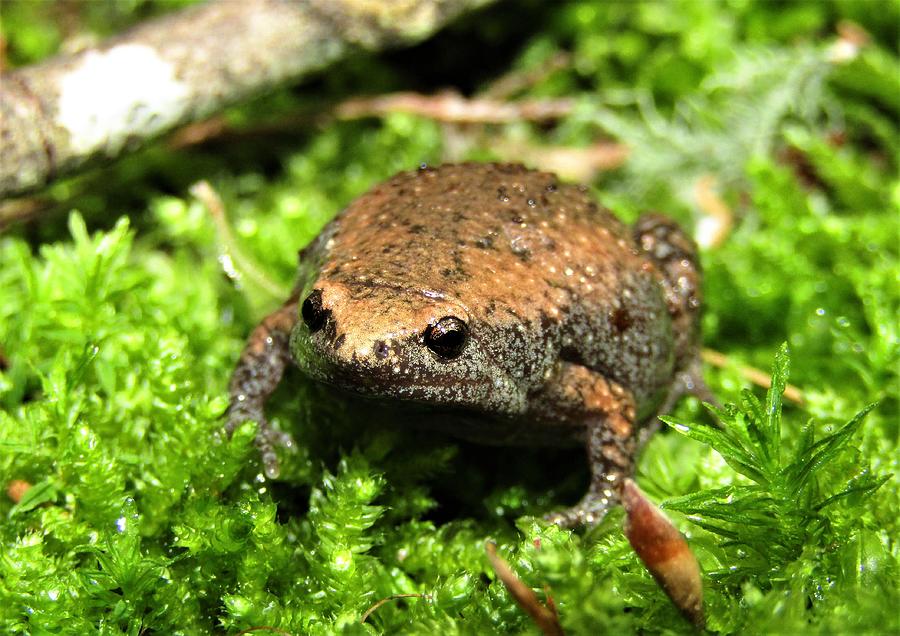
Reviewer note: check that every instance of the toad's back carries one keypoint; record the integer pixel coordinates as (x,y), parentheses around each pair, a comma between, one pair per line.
(542,271)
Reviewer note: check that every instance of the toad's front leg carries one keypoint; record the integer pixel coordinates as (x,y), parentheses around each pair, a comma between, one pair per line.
(607,411)
(256,376)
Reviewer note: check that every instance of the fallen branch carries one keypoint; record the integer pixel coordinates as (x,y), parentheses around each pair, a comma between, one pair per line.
(63,114)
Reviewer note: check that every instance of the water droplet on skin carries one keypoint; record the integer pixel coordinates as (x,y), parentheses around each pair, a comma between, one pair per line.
(820,312)
(121,524)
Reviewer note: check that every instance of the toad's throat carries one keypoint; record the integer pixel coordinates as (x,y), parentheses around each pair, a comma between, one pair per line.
(466,422)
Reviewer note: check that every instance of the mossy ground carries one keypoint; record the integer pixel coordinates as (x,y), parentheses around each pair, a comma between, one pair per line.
(119,330)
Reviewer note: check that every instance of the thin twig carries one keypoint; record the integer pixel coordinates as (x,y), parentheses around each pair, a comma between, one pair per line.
(716,225)
(234,262)
(199,132)
(580,164)
(392,597)
(452,107)
(545,619)
(22,210)
(756,376)
(516,81)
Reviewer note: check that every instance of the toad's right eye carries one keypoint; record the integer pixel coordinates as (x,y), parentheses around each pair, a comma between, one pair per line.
(447,337)
(314,315)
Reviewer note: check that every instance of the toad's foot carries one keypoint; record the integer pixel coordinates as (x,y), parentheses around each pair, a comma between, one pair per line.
(608,412)
(256,375)
(268,438)
(588,512)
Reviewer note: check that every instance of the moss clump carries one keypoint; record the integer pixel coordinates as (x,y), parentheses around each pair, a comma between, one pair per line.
(118,337)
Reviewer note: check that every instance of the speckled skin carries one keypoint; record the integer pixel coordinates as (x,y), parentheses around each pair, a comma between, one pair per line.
(579,328)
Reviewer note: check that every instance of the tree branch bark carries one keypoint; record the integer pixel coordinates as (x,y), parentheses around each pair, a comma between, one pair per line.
(68,112)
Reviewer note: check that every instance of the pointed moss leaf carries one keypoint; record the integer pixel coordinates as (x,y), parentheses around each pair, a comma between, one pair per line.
(721,530)
(861,487)
(772,420)
(755,433)
(125,579)
(827,448)
(738,504)
(730,449)
(752,406)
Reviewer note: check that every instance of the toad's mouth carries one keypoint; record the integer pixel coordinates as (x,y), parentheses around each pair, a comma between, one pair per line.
(416,379)
(420,391)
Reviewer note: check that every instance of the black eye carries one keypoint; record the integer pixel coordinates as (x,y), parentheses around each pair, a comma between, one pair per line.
(314,315)
(447,337)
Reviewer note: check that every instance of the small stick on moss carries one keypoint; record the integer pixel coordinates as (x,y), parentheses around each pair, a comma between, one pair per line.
(575,163)
(515,81)
(718,219)
(234,262)
(754,375)
(451,107)
(545,618)
(22,210)
(199,132)
(664,552)
(392,597)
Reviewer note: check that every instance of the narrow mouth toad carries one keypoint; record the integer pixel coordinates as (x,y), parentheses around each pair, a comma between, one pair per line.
(508,307)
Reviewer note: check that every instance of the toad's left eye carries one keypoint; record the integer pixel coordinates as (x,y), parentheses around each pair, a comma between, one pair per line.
(447,337)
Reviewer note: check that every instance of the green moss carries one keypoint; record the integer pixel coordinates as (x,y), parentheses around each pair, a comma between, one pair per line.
(119,334)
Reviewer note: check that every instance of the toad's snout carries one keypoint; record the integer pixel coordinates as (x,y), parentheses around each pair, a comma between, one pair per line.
(353,330)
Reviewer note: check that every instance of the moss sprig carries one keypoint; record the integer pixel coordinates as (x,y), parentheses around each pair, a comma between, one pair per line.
(795,510)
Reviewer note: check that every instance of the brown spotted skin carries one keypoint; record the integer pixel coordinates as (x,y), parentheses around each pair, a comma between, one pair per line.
(578,327)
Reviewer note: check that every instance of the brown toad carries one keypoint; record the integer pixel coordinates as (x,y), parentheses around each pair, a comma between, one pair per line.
(491,301)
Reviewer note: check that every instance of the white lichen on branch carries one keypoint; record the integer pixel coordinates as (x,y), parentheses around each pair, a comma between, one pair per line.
(147,97)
